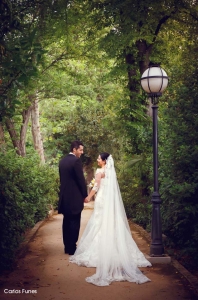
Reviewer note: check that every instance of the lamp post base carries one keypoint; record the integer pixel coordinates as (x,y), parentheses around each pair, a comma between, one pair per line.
(165,259)
(156,248)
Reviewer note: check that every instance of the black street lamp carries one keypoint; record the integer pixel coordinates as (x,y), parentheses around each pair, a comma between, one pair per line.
(154,81)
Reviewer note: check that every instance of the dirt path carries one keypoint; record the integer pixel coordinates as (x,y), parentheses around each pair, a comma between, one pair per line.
(45,273)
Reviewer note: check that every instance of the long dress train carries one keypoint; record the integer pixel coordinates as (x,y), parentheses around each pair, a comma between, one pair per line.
(106,242)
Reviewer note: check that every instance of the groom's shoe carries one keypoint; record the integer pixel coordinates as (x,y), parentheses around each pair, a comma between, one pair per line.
(72,250)
(66,251)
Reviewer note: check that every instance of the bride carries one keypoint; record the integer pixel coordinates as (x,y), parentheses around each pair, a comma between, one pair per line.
(107,243)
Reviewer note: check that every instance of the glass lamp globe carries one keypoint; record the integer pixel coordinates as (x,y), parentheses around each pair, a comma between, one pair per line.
(154,80)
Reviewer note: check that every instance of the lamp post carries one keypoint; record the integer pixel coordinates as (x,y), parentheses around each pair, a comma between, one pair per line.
(154,81)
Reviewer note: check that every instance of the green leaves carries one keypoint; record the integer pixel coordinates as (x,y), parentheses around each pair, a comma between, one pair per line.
(178,159)
(27,190)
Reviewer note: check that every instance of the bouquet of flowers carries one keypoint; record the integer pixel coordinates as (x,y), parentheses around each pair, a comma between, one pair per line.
(92,183)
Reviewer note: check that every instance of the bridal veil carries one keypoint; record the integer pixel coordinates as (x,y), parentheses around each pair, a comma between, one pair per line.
(118,254)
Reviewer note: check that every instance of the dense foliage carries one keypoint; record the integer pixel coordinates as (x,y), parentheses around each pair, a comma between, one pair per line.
(27,191)
(178,167)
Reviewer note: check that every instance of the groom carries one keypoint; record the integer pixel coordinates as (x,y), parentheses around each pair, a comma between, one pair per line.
(73,192)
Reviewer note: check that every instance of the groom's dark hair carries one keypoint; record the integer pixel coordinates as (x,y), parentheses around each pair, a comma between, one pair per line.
(76,145)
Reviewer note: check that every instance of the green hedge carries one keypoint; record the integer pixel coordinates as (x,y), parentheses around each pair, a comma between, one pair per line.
(26,191)
(179,174)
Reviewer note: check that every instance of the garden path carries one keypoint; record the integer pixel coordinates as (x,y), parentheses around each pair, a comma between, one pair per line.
(46,270)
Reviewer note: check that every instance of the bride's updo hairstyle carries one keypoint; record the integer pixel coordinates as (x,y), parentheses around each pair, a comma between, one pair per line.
(104,155)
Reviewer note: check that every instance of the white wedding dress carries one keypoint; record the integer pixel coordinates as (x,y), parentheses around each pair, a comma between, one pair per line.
(106,242)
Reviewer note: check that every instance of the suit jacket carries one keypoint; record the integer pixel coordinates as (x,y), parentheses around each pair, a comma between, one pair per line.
(73,189)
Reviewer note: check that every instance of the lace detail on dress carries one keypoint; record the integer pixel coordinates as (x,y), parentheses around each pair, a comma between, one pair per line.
(98,178)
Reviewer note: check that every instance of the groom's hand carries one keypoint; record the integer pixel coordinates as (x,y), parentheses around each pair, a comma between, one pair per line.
(103,175)
(86,200)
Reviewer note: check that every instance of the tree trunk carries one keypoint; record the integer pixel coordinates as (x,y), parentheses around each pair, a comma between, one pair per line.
(88,168)
(144,52)
(36,132)
(14,136)
(89,173)
(132,72)
(26,116)
(19,141)
(133,83)
(2,139)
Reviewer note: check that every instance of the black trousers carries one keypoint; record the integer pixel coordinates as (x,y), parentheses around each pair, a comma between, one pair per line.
(71,228)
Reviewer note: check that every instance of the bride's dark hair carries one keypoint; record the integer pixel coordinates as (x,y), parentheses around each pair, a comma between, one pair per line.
(104,155)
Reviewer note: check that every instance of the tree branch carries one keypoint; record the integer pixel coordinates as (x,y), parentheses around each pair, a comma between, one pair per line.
(161,22)
(54,62)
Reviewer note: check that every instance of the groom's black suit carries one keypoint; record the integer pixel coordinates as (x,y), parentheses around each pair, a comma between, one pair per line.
(73,191)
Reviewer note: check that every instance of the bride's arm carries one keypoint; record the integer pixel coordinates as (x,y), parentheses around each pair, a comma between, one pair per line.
(96,186)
